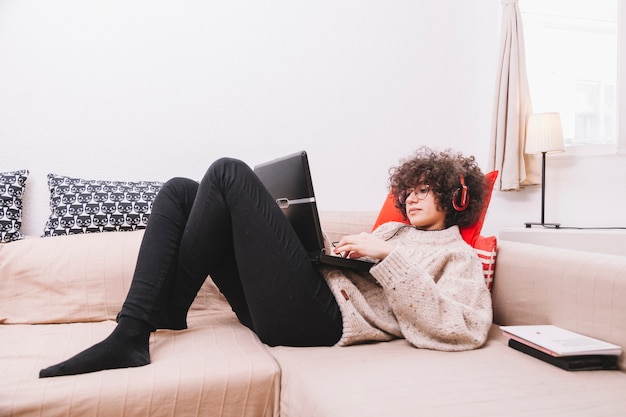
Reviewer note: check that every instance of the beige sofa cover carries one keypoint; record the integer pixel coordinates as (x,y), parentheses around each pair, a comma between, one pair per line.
(60,295)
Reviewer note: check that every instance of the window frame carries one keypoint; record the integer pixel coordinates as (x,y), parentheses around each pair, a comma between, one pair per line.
(619,147)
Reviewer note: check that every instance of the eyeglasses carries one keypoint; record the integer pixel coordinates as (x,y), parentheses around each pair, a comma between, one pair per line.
(420,192)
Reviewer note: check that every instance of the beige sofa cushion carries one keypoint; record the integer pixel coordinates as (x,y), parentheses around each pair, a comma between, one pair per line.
(77,278)
(395,379)
(217,367)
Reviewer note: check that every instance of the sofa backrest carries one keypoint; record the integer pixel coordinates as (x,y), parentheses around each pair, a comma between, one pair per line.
(580,291)
(76,278)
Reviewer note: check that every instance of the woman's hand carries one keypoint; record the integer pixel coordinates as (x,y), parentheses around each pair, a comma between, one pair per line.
(363,244)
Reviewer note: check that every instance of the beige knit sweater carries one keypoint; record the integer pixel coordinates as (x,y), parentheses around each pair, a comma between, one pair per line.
(429,290)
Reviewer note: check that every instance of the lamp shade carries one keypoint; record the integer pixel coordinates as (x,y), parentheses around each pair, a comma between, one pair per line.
(544,133)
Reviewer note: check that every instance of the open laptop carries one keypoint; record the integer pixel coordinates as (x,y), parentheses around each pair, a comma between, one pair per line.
(288,179)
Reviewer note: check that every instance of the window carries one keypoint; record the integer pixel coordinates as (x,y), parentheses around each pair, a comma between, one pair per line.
(572,62)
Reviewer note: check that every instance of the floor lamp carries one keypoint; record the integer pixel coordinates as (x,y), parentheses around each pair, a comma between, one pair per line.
(544,135)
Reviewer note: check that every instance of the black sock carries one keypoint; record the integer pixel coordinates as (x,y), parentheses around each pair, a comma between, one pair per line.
(126,347)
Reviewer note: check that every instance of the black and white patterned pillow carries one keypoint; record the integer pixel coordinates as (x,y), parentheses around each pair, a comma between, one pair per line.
(11,191)
(91,206)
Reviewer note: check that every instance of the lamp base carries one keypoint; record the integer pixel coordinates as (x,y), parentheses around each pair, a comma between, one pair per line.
(549,225)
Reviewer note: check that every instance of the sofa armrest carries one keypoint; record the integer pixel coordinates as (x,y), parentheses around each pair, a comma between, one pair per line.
(581,291)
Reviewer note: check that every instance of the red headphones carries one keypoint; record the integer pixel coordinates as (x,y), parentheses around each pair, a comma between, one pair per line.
(461,197)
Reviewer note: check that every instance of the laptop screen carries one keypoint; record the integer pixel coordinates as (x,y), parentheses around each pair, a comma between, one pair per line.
(288,179)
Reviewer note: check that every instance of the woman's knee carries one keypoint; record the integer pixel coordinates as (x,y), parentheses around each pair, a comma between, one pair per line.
(227,165)
(178,184)
(225,169)
(178,189)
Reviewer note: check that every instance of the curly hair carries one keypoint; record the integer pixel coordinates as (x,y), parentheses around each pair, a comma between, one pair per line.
(441,171)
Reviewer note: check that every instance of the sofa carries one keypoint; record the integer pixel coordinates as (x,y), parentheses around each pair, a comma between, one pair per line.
(59,295)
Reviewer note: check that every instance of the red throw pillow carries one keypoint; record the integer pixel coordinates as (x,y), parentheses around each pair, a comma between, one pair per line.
(390,213)
(485,248)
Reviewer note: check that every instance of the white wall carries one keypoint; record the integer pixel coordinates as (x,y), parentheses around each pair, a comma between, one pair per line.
(142,89)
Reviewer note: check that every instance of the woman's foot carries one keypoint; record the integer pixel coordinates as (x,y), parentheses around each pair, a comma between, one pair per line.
(126,347)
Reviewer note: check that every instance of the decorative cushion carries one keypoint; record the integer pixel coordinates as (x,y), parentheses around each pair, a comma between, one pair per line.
(11,191)
(88,206)
(390,213)
(485,248)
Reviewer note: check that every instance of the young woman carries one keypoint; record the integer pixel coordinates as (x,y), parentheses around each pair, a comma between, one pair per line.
(427,288)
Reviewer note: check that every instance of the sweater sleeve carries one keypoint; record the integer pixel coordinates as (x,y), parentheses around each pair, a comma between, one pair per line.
(447,309)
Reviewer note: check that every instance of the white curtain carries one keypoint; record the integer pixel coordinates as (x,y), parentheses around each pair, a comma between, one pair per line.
(512,107)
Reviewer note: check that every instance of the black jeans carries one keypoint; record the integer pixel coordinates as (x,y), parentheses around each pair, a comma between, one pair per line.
(229,227)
